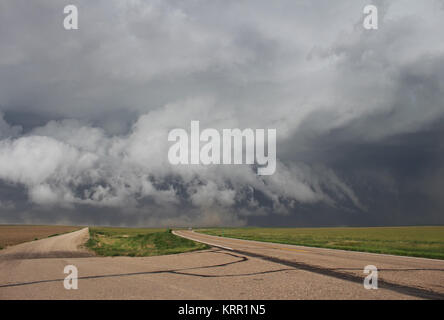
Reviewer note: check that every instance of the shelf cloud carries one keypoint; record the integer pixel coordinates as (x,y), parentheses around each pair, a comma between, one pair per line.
(85,114)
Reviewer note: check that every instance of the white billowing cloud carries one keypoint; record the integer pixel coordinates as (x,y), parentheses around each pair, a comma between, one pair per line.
(36,159)
(43,194)
(75,134)
(208,195)
(66,163)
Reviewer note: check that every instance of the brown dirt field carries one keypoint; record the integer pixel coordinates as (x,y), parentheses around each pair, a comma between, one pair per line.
(15,234)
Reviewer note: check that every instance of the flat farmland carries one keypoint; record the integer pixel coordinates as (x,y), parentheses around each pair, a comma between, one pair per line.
(15,234)
(426,242)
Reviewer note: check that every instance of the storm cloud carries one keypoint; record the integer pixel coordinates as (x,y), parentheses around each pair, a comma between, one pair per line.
(85,114)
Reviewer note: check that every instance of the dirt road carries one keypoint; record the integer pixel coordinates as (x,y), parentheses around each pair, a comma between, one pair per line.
(65,245)
(11,235)
(241,271)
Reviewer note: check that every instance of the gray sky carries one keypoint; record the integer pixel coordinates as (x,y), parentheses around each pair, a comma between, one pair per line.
(85,114)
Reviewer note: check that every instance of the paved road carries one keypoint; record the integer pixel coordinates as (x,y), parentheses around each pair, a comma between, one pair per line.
(417,276)
(244,271)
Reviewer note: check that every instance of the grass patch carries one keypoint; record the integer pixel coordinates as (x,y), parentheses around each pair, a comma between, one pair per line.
(138,242)
(54,235)
(427,242)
